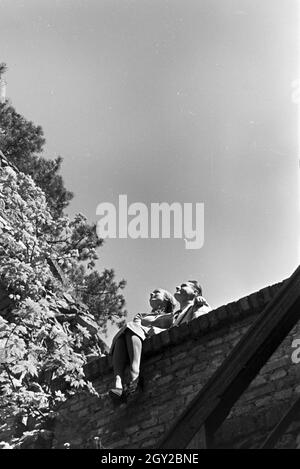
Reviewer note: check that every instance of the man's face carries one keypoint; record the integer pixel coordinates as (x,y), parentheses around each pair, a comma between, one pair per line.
(185,292)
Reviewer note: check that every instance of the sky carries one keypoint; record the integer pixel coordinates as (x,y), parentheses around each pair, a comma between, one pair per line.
(170,101)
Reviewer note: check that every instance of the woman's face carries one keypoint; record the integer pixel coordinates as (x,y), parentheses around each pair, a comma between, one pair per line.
(157,299)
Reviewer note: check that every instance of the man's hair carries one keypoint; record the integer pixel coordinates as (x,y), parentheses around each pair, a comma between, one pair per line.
(197,286)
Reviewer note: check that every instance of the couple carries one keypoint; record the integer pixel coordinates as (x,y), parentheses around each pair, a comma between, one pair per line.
(126,346)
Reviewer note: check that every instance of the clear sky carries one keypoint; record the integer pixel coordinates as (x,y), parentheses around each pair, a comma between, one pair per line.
(170,101)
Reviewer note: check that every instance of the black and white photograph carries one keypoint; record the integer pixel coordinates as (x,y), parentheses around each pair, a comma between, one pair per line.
(149,227)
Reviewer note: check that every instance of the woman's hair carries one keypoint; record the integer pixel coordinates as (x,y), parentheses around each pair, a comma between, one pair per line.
(170,301)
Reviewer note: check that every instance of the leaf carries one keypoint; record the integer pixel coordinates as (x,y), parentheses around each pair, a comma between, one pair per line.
(25,366)
(84,331)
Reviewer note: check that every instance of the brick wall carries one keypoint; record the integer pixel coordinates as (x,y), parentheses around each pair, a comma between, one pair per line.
(175,365)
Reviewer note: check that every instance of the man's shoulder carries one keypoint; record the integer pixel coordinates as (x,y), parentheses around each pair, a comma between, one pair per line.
(200,310)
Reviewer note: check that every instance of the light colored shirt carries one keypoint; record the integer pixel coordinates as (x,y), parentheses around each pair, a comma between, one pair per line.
(191,312)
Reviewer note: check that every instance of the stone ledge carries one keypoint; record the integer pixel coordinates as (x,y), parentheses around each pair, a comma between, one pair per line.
(223,316)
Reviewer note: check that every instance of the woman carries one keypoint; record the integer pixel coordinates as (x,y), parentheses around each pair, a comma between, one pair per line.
(127,344)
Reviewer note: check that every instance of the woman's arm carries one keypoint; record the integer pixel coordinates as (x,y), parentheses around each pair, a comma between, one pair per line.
(162,321)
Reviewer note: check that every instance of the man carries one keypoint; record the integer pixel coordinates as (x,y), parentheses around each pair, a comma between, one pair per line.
(192,304)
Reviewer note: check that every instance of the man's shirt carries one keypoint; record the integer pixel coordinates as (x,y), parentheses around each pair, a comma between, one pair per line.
(191,312)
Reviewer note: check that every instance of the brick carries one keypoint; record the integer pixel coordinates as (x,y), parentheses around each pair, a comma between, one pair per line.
(166,417)
(278,374)
(182,373)
(213,319)
(165,338)
(148,443)
(244,304)
(297,389)
(204,322)
(82,413)
(295,426)
(142,435)
(274,364)
(233,336)
(260,391)
(131,430)
(216,362)
(197,386)
(184,330)
(199,350)
(182,364)
(253,300)
(285,394)
(154,359)
(221,314)
(258,381)
(185,390)
(240,410)
(198,367)
(149,423)
(77,405)
(118,444)
(175,334)
(195,327)
(233,310)
(262,402)
(214,342)
(179,356)
(76,442)
(164,400)
(165,380)
(100,420)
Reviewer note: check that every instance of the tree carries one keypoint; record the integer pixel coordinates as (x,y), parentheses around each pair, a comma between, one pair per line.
(20,141)
(46,175)
(35,347)
(42,357)
(102,293)
(3,68)
(40,346)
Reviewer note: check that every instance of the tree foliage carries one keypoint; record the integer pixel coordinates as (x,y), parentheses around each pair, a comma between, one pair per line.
(102,293)
(3,68)
(37,348)
(21,141)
